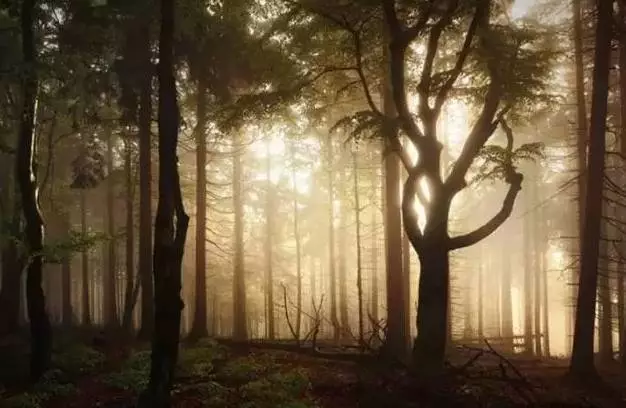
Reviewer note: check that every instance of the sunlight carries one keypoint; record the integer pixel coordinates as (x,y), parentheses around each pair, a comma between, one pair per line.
(520,8)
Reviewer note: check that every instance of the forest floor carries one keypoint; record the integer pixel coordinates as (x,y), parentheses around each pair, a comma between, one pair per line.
(88,373)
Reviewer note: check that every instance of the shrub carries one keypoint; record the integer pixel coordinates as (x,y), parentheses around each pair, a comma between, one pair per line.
(134,374)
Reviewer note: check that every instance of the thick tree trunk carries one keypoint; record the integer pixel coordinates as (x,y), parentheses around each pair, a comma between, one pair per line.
(145,191)
(40,330)
(582,363)
(622,82)
(544,285)
(432,307)
(110,276)
(170,228)
(605,332)
(240,331)
(131,292)
(11,290)
(374,260)
(581,141)
(270,206)
(537,254)
(199,326)
(85,294)
(481,294)
(406,285)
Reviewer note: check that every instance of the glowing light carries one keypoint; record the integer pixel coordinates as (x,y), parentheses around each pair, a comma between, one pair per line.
(520,8)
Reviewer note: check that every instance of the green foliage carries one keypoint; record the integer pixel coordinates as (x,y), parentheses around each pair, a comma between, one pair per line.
(52,385)
(243,369)
(133,375)
(78,359)
(198,361)
(26,400)
(278,390)
(493,160)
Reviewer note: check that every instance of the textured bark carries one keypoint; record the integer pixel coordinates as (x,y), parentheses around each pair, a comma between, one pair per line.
(582,363)
(11,289)
(199,326)
(605,332)
(581,142)
(170,228)
(621,4)
(528,293)
(240,329)
(40,330)
(537,272)
(145,189)
(374,260)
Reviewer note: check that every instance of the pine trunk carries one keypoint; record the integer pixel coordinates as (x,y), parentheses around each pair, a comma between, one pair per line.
(359,259)
(170,228)
(270,206)
(85,290)
(199,327)
(240,331)
(110,276)
(331,242)
(145,191)
(132,288)
(40,330)
(582,363)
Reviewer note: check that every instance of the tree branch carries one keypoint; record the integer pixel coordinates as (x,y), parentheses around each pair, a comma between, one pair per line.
(514,179)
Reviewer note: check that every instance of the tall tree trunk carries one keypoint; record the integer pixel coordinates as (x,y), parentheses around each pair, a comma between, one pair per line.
(66,276)
(342,261)
(507,309)
(240,331)
(581,139)
(605,332)
(11,289)
(331,242)
(40,330)
(170,228)
(110,276)
(528,293)
(85,293)
(544,284)
(582,363)
(621,6)
(537,254)
(132,288)
(270,206)
(199,326)
(481,294)
(145,190)
(395,345)
(359,259)
(296,236)
(406,285)
(374,260)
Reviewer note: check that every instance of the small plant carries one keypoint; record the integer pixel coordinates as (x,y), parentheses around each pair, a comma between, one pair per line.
(26,400)
(284,390)
(78,359)
(133,374)
(242,369)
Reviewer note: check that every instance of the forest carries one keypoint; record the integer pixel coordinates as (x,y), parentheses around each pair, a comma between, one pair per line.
(312,203)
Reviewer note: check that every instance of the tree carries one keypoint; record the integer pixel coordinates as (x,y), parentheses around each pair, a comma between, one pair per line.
(199,327)
(170,228)
(40,330)
(240,329)
(582,364)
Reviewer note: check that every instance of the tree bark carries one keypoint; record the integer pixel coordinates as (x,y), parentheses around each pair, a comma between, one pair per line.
(67,316)
(621,5)
(240,330)
(199,327)
(342,261)
(605,332)
(506,307)
(40,330)
(170,228)
(528,293)
(145,190)
(11,289)
(581,139)
(582,363)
